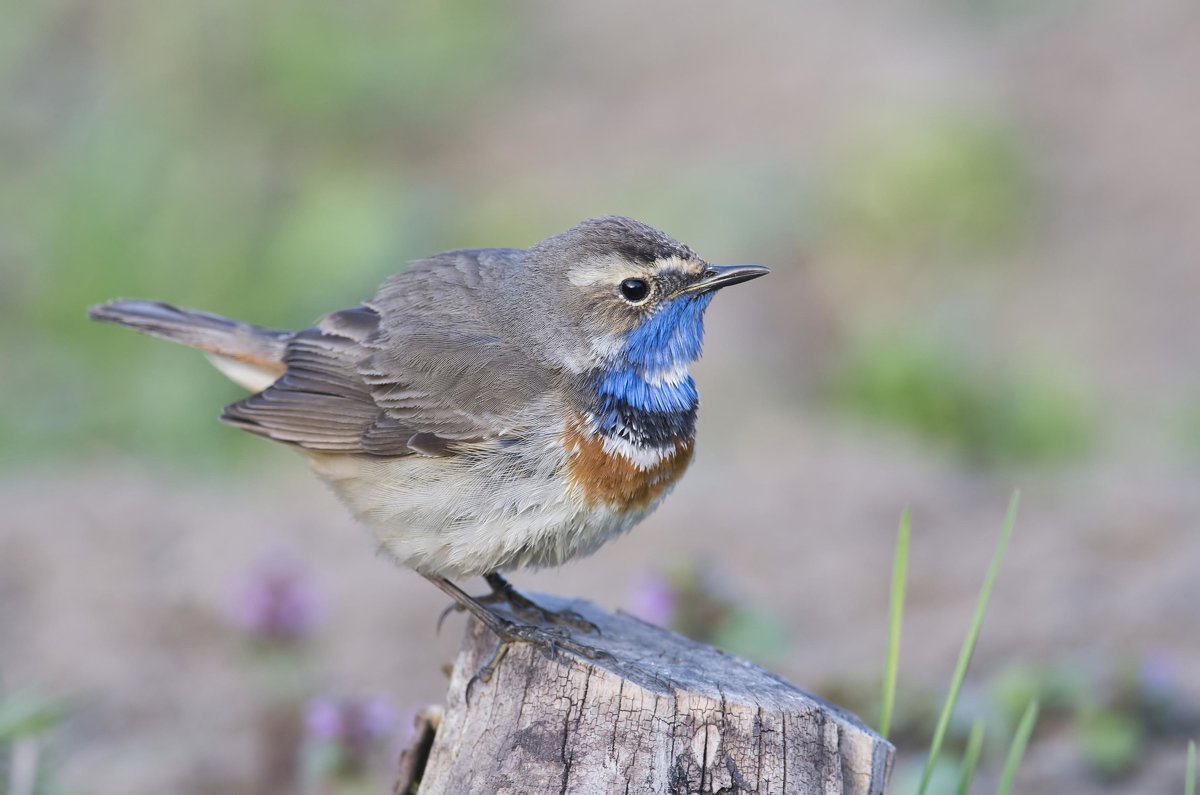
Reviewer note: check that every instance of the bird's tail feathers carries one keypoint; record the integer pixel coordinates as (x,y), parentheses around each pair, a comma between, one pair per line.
(249,355)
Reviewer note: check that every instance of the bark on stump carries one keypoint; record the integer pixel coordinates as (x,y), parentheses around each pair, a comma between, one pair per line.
(665,715)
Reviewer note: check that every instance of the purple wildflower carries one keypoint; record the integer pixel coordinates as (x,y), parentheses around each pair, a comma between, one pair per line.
(350,720)
(352,727)
(653,599)
(323,720)
(1157,674)
(277,602)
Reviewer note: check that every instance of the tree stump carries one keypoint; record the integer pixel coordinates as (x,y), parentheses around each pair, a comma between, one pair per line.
(664,715)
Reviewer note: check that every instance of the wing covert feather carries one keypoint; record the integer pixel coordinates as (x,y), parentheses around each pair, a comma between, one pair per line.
(422,368)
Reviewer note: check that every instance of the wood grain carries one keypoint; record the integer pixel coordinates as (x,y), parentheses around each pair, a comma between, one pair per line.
(664,715)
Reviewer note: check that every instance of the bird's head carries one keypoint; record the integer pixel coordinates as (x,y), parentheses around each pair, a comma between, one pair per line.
(628,297)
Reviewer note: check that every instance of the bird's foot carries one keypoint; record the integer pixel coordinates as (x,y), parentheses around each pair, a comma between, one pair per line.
(524,607)
(550,640)
(521,606)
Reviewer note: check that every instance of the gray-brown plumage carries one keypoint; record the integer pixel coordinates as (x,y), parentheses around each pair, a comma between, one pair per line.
(487,409)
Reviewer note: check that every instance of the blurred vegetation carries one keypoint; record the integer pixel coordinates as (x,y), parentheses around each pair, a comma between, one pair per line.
(695,600)
(271,162)
(27,720)
(1112,711)
(920,210)
(1185,427)
(989,414)
(259,160)
(1111,707)
(930,186)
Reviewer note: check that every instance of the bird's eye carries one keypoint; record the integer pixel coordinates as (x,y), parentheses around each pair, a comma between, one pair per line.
(635,291)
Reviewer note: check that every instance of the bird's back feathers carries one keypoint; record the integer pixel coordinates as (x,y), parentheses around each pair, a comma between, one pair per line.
(417,370)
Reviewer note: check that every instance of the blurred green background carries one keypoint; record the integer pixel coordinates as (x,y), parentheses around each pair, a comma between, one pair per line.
(265,159)
(982,220)
(272,162)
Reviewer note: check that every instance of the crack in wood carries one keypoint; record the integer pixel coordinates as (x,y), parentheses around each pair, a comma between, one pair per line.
(566,759)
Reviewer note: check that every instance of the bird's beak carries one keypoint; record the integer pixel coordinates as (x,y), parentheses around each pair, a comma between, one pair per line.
(718,276)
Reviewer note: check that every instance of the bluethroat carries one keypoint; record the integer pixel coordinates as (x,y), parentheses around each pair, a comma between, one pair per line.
(489,409)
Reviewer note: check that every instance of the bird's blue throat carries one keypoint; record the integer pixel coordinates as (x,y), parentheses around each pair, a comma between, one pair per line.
(642,397)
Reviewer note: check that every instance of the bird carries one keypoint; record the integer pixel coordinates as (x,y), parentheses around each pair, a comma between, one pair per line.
(488,410)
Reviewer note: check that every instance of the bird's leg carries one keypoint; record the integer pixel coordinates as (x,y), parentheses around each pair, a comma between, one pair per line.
(526,608)
(549,639)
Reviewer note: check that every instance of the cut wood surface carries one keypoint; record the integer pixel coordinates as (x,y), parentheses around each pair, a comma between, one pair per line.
(664,715)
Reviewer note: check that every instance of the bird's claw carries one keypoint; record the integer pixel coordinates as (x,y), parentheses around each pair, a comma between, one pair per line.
(453,607)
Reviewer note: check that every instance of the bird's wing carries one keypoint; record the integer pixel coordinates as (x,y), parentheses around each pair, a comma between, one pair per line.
(423,368)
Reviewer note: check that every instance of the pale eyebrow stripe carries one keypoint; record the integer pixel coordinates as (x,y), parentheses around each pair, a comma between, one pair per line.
(606,271)
(609,269)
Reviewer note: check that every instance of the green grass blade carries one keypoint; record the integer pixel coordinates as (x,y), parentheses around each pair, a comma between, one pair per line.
(896,618)
(1189,781)
(968,646)
(970,758)
(1017,750)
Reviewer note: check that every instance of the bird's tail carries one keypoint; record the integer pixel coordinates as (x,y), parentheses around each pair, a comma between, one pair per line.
(249,355)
